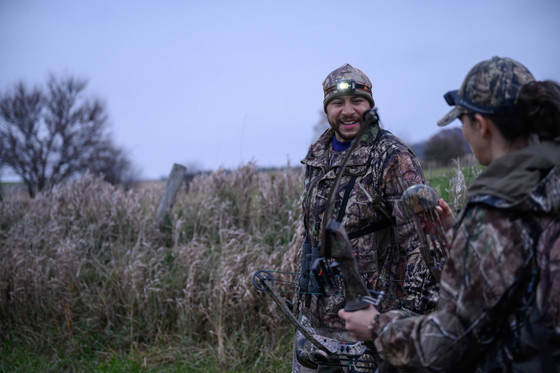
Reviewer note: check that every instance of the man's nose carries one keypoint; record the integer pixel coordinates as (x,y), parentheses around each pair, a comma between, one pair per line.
(347,108)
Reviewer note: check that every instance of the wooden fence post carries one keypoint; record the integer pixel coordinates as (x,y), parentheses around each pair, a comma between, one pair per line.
(168,199)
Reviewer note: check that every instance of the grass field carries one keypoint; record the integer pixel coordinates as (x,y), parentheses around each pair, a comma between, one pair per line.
(451,183)
(88,283)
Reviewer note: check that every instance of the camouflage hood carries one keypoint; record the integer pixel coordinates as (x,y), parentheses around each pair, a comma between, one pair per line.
(519,180)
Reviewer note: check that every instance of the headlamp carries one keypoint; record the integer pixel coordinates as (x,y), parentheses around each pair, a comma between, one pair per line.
(345,85)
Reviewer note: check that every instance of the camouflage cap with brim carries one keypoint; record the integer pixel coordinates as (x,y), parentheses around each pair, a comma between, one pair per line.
(491,88)
(346,72)
(450,117)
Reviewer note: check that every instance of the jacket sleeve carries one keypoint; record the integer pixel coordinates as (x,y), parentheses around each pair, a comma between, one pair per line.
(486,255)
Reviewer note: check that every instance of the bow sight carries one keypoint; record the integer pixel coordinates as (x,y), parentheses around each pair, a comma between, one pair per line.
(327,272)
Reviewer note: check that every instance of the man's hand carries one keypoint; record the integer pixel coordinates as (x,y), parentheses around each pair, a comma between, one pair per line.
(357,322)
(445,214)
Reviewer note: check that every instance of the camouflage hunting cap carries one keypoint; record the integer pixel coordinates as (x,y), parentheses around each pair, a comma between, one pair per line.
(346,80)
(491,88)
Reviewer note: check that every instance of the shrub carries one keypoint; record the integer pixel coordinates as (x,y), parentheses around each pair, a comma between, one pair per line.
(87,258)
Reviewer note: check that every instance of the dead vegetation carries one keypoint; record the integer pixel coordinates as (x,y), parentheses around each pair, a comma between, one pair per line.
(85,264)
(86,272)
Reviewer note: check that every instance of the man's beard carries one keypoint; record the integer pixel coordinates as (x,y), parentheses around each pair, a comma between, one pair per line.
(343,136)
(346,137)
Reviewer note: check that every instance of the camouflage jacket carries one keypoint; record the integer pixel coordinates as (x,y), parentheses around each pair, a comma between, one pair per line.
(505,252)
(384,241)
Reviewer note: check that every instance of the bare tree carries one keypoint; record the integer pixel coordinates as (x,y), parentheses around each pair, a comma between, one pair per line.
(113,163)
(321,125)
(1,169)
(51,135)
(445,146)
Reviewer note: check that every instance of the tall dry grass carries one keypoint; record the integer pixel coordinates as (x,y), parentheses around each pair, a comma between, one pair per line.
(84,263)
(461,178)
(84,267)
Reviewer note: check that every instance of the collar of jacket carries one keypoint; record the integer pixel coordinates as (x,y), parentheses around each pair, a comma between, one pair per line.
(514,175)
(317,155)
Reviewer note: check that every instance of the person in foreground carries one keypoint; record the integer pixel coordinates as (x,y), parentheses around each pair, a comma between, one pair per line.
(379,169)
(499,306)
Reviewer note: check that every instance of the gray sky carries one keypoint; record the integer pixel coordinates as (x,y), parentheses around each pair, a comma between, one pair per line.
(221,83)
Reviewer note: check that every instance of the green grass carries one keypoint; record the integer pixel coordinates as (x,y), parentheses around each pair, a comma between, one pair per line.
(443,180)
(246,355)
(87,282)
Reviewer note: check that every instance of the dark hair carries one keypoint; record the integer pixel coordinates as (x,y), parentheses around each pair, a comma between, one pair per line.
(539,103)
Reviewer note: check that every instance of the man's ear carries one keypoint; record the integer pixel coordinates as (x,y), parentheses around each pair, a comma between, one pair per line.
(483,124)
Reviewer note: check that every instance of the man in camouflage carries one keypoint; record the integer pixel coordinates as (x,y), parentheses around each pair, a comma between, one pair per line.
(499,307)
(379,169)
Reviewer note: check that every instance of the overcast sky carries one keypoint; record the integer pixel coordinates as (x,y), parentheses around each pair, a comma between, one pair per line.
(212,84)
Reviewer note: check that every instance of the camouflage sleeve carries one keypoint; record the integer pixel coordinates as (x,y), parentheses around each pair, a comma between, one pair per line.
(420,289)
(486,253)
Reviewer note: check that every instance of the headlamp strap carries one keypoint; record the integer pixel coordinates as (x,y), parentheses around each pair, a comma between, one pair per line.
(363,87)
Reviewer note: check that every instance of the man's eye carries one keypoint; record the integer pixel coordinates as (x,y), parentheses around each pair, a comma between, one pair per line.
(358,100)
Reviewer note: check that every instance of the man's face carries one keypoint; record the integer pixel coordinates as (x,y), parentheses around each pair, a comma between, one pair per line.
(344,114)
